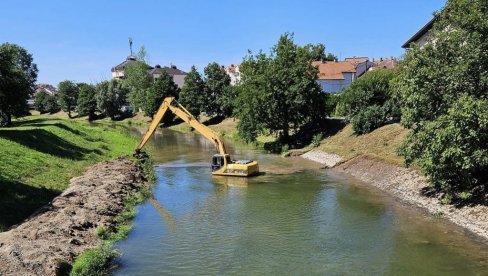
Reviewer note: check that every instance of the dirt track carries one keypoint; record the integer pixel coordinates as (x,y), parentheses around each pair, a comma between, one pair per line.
(66,227)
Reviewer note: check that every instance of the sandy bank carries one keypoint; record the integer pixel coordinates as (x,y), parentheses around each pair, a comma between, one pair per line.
(63,229)
(407,185)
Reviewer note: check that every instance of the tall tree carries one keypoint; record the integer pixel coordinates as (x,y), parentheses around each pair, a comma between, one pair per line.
(443,91)
(162,87)
(87,103)
(191,95)
(18,74)
(317,53)
(68,95)
(216,85)
(138,81)
(279,92)
(111,97)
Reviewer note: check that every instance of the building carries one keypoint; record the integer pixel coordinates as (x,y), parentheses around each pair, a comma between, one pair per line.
(49,89)
(422,36)
(361,64)
(118,71)
(387,63)
(177,74)
(333,76)
(234,74)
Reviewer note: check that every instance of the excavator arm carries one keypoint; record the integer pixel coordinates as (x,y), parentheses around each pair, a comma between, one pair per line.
(186,116)
(222,164)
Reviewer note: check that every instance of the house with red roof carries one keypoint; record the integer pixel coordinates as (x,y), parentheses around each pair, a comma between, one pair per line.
(333,76)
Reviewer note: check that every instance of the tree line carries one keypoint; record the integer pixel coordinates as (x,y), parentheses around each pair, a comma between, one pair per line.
(439,92)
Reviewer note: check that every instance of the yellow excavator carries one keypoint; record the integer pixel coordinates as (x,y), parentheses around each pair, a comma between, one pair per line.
(222,164)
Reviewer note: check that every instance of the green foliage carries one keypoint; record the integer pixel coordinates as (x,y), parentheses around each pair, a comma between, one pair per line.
(160,88)
(138,81)
(368,119)
(317,53)
(316,140)
(110,97)
(279,92)
(87,103)
(94,261)
(18,74)
(371,89)
(442,88)
(41,153)
(51,104)
(191,96)
(68,96)
(453,150)
(434,76)
(218,96)
(101,232)
(39,101)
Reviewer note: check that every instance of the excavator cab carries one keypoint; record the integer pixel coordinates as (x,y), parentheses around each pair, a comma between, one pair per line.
(219,161)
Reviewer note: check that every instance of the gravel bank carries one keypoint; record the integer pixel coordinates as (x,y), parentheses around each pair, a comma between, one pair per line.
(65,228)
(407,185)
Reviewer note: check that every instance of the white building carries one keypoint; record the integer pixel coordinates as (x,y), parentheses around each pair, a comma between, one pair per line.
(422,36)
(234,74)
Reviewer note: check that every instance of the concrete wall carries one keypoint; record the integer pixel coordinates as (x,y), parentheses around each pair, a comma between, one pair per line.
(179,80)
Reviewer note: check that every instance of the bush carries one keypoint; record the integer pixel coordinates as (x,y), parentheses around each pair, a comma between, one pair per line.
(368,119)
(453,150)
(316,140)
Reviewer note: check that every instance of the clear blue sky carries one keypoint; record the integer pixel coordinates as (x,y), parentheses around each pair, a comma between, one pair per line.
(82,40)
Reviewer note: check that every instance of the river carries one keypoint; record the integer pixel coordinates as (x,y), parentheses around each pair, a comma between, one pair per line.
(294,219)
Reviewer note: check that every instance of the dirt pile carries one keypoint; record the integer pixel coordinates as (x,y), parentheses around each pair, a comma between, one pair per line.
(407,185)
(63,229)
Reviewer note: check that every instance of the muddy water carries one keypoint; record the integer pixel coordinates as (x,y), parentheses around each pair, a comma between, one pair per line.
(295,219)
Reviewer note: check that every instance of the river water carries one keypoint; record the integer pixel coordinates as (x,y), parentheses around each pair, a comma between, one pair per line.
(294,219)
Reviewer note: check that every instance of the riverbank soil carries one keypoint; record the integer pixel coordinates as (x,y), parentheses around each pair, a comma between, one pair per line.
(40,154)
(52,237)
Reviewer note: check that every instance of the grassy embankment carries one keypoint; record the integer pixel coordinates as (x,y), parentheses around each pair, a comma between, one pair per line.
(380,144)
(41,153)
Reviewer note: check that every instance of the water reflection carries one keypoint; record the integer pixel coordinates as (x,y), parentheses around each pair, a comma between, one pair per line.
(306,222)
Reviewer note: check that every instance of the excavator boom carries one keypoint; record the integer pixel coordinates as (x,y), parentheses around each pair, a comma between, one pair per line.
(221,163)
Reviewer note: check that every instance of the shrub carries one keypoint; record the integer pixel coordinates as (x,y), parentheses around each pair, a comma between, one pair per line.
(368,119)
(316,140)
(94,261)
(453,150)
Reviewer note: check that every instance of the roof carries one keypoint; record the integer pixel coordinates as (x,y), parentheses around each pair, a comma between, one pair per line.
(384,63)
(425,29)
(173,70)
(130,60)
(232,68)
(333,70)
(356,60)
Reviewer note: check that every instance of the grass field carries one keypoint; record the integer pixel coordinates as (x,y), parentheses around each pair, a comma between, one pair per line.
(39,155)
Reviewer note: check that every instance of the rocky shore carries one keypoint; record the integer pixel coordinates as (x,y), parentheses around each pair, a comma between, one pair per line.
(407,185)
(66,227)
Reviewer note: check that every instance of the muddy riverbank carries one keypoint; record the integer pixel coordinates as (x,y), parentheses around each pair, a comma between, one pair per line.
(407,185)
(52,237)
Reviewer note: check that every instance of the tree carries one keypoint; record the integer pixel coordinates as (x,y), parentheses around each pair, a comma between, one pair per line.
(162,87)
(191,95)
(317,53)
(138,81)
(68,95)
(40,100)
(370,100)
(51,104)
(279,92)
(18,74)
(442,89)
(216,88)
(111,96)
(87,103)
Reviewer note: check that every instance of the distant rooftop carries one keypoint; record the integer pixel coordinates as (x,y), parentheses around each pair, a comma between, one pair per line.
(425,29)
(333,70)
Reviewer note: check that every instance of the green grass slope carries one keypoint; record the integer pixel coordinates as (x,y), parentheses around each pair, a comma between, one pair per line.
(40,154)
